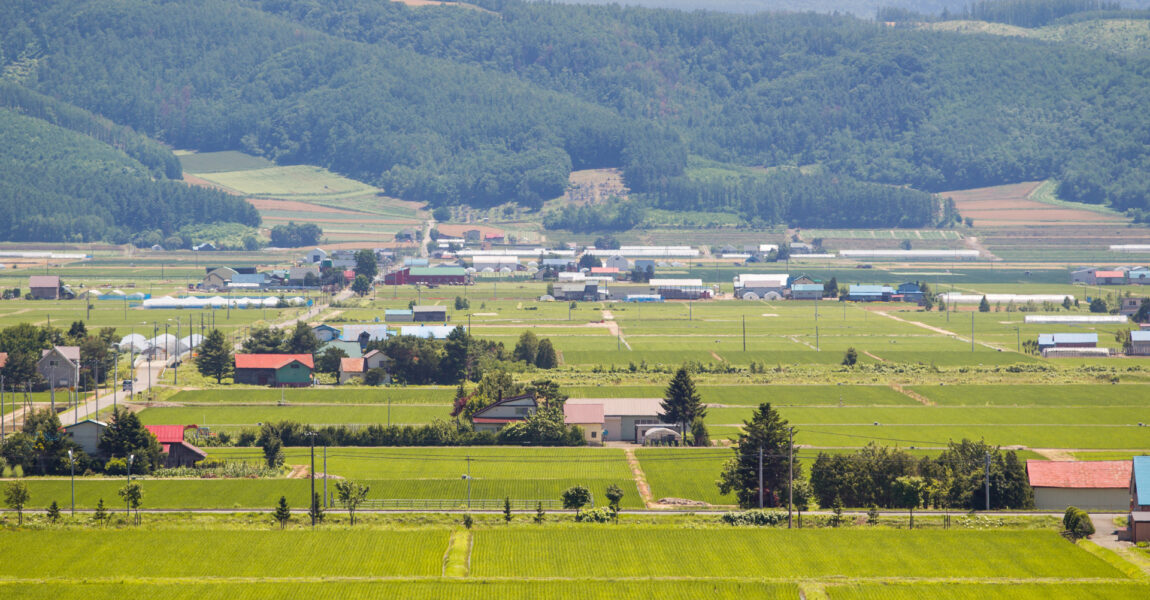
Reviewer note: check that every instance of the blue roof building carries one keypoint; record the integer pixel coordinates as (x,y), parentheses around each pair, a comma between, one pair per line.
(1139,522)
(1068,340)
(870,293)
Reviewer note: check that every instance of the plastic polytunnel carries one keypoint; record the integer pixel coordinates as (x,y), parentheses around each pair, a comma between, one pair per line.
(133,343)
(191,341)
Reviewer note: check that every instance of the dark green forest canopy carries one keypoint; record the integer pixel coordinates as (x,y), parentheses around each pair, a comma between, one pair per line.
(59,185)
(456,105)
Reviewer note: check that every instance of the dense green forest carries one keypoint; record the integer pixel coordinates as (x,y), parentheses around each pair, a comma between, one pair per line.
(59,185)
(456,105)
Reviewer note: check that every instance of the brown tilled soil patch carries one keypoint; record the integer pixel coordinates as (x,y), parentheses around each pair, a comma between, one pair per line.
(1010,205)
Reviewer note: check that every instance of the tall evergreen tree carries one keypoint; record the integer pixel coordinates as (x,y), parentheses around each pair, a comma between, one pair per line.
(365,264)
(126,436)
(527,348)
(302,340)
(681,402)
(546,358)
(215,356)
(764,435)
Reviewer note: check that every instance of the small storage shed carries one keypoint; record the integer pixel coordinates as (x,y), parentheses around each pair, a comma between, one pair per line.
(179,453)
(276,370)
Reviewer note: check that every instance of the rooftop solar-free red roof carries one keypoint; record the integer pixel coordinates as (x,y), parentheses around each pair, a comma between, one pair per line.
(351,365)
(577,414)
(271,361)
(167,434)
(1094,474)
(1109,274)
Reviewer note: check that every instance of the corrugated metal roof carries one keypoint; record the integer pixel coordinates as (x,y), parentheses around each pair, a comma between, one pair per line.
(1082,474)
(271,361)
(437,271)
(1109,274)
(351,365)
(871,289)
(639,407)
(1142,479)
(1140,336)
(397,311)
(807,287)
(577,414)
(44,281)
(1054,339)
(167,434)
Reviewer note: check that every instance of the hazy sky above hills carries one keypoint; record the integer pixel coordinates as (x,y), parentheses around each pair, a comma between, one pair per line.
(862,8)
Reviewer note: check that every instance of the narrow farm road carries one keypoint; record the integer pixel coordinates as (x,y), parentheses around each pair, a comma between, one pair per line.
(613,327)
(640,477)
(940,330)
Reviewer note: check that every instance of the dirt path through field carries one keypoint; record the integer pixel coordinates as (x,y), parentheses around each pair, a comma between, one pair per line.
(912,395)
(640,477)
(613,327)
(972,243)
(878,358)
(940,330)
(1053,453)
(798,341)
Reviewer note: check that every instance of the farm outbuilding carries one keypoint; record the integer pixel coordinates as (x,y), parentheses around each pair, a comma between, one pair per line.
(1087,484)
(44,287)
(761,284)
(60,366)
(398,315)
(589,418)
(427,276)
(807,291)
(429,314)
(625,419)
(1140,343)
(1067,340)
(1139,523)
(87,434)
(179,452)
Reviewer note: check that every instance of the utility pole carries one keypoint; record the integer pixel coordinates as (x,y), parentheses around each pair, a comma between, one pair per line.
(311,499)
(325,474)
(744,333)
(986,484)
(468,483)
(760,476)
(115,374)
(972,332)
(790,473)
(816,338)
(176,365)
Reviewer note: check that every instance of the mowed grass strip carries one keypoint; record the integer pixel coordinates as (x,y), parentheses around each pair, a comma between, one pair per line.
(753,395)
(340,395)
(1037,395)
(980,591)
(248,416)
(663,552)
(218,553)
(407,590)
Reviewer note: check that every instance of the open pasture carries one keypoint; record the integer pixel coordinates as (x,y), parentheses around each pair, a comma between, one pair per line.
(660,552)
(990,591)
(427,589)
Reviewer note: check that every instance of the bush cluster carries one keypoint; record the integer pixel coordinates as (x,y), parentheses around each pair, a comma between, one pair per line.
(755,518)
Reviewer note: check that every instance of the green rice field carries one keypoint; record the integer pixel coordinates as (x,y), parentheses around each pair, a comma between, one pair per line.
(979,591)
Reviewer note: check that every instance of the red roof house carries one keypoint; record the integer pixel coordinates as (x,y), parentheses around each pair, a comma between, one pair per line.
(276,370)
(587,416)
(179,453)
(350,368)
(1087,484)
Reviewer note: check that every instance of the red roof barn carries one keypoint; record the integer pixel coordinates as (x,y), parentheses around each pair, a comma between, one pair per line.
(171,438)
(1087,484)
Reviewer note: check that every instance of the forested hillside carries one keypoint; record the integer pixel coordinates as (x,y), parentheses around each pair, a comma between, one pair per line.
(456,105)
(59,185)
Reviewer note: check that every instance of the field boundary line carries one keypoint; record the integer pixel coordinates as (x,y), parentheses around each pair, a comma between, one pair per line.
(911,394)
(458,547)
(941,330)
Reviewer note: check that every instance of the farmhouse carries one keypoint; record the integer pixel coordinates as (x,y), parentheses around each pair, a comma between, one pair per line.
(427,276)
(760,285)
(1084,275)
(217,278)
(625,419)
(1140,343)
(588,291)
(316,256)
(1089,485)
(179,453)
(87,434)
(429,314)
(870,293)
(1140,500)
(1109,278)
(807,291)
(504,412)
(44,287)
(60,366)
(325,332)
(276,370)
(298,276)
(353,368)
(1129,306)
(589,418)
(910,292)
(362,334)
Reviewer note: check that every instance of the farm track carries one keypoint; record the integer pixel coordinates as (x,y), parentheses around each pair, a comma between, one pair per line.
(912,395)
(640,477)
(940,330)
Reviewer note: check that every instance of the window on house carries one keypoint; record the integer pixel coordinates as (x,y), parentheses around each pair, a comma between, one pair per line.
(522,410)
(295,365)
(53,363)
(593,434)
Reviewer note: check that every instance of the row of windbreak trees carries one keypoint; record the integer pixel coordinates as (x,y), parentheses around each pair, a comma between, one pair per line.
(873,476)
